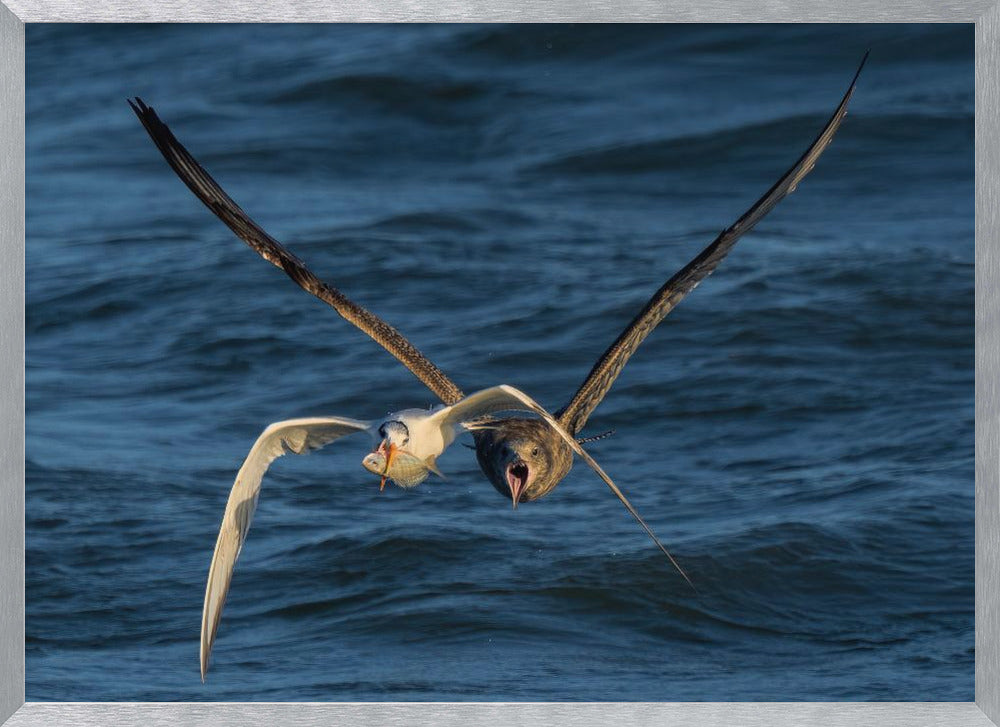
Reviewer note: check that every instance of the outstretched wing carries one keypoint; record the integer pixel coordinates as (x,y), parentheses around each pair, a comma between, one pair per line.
(610,364)
(476,406)
(507,398)
(299,436)
(208,191)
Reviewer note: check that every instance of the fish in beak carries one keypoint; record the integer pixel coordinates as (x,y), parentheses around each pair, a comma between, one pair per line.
(392,462)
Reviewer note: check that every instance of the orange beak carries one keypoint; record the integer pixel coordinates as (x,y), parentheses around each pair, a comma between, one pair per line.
(390,452)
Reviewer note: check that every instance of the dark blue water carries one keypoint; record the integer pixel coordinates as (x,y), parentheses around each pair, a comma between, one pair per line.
(799,431)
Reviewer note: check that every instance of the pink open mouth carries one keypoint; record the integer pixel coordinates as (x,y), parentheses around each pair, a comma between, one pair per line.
(517,478)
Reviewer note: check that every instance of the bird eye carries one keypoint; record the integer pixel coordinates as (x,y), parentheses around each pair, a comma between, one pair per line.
(534,452)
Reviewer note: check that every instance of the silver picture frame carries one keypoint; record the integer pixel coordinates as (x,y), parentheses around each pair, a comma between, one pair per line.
(15,712)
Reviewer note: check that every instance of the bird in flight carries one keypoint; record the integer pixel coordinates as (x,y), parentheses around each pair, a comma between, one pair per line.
(411,439)
(523,458)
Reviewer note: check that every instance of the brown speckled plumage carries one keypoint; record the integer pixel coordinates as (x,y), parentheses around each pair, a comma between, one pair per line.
(598,382)
(541,457)
(215,198)
(532,441)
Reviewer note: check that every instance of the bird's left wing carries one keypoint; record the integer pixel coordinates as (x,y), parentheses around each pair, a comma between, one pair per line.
(610,365)
(507,398)
(215,198)
(298,436)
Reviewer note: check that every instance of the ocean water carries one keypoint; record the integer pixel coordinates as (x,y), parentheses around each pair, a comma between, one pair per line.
(799,431)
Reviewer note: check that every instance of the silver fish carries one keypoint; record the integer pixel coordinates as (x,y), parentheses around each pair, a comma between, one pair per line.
(406,470)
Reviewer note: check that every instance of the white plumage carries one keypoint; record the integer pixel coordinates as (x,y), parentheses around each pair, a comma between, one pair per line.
(420,435)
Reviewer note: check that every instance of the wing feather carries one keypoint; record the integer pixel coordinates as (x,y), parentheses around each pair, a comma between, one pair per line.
(215,198)
(477,405)
(601,377)
(298,436)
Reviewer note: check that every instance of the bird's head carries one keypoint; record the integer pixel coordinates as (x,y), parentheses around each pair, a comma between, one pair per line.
(524,458)
(391,460)
(395,434)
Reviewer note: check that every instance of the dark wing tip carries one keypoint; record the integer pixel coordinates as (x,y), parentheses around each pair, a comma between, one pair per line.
(147,116)
(861,65)
(139,106)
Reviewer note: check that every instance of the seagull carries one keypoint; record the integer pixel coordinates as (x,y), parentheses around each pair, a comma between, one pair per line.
(523,458)
(411,439)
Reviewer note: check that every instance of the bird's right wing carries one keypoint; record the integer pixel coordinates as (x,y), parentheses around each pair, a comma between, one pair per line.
(299,436)
(507,398)
(215,198)
(478,405)
(611,362)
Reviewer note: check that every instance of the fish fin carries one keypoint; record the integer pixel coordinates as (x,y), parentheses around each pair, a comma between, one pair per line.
(431,463)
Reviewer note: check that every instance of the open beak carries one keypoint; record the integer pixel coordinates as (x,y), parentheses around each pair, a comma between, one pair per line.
(517,479)
(389,453)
